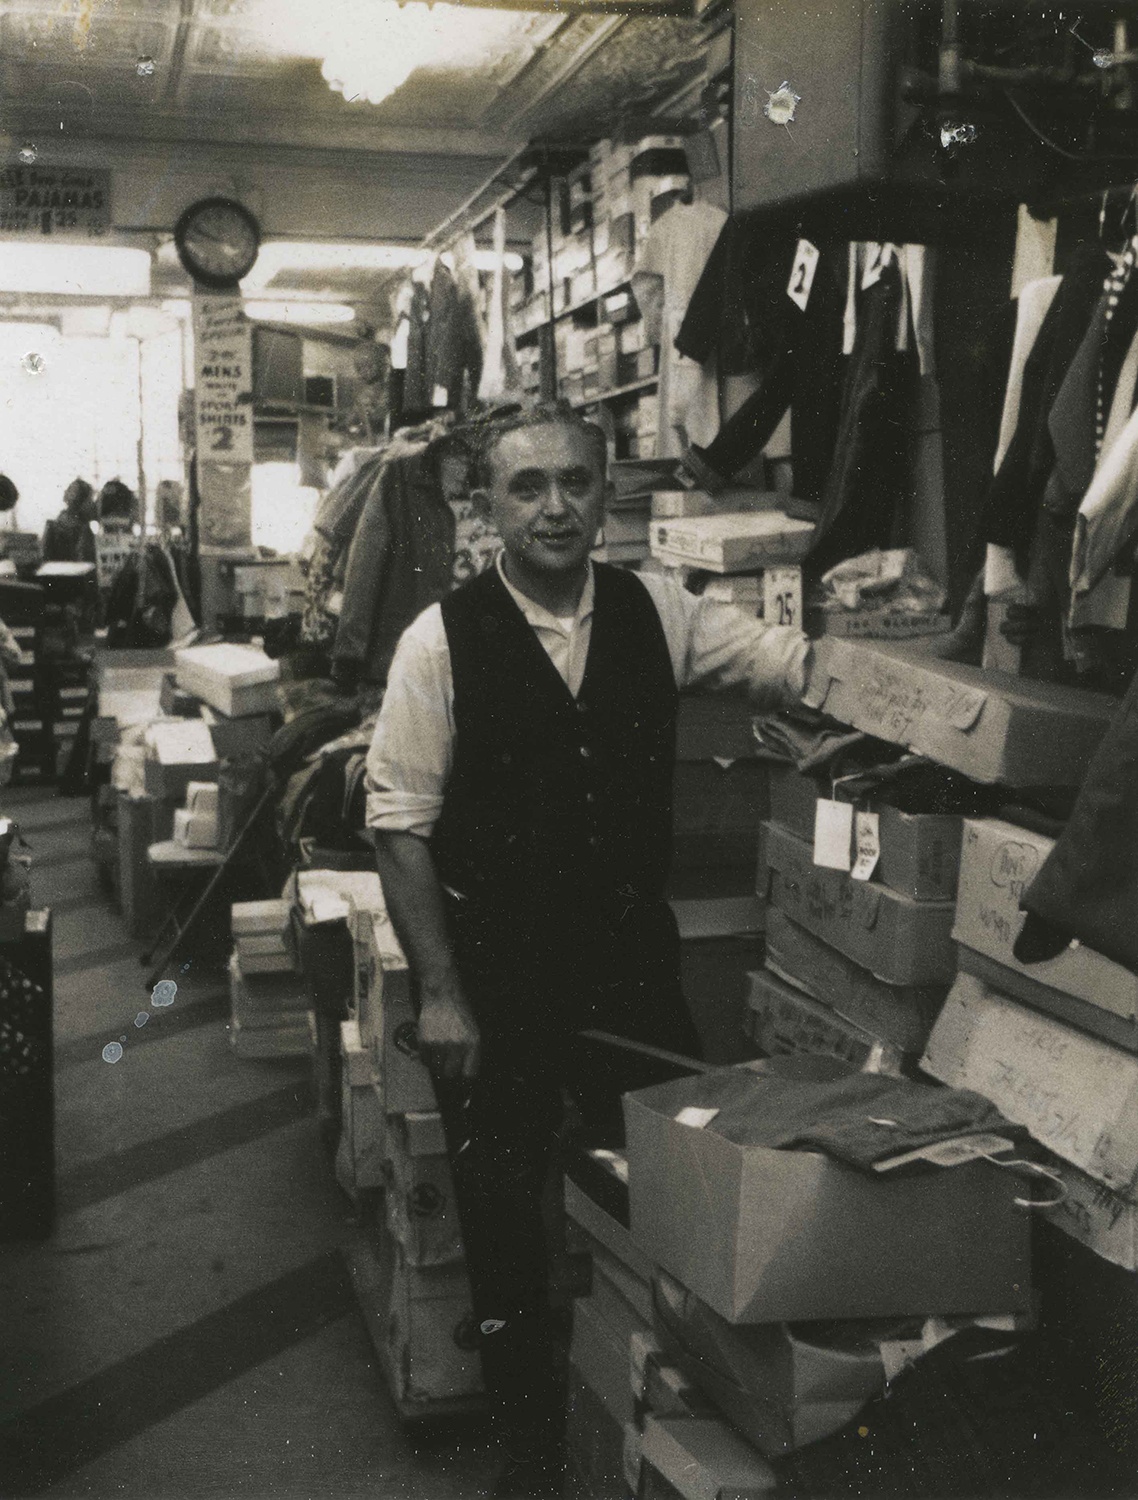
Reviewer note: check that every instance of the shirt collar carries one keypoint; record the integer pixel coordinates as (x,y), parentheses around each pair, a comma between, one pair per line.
(539,617)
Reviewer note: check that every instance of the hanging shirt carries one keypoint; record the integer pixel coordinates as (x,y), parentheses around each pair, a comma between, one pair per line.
(667,271)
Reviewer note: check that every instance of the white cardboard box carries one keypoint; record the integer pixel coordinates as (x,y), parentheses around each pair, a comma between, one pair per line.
(235,679)
(732,543)
(1076,1095)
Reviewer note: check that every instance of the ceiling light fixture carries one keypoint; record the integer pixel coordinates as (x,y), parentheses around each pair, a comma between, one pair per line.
(74,270)
(376,45)
(277,256)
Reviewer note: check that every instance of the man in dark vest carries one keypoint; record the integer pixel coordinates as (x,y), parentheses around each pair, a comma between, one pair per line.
(520,792)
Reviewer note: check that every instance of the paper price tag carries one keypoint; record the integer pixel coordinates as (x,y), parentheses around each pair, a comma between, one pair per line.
(833,831)
(802,274)
(876,259)
(697,1118)
(782,596)
(867,840)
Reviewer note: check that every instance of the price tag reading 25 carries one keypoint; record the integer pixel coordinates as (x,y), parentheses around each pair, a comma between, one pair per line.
(782,596)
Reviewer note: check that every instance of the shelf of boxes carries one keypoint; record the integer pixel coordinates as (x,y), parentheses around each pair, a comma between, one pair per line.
(574,307)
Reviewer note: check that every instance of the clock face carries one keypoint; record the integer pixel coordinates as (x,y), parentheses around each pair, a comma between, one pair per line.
(217,241)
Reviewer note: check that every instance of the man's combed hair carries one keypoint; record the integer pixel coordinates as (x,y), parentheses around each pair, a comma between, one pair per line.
(487,432)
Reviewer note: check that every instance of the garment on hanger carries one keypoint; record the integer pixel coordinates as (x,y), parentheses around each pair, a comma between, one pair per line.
(1015,495)
(1000,571)
(867,487)
(500,375)
(742,312)
(444,356)
(666,274)
(400,560)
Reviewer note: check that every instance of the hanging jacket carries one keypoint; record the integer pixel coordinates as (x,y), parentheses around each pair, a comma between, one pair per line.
(400,562)
(868,482)
(444,353)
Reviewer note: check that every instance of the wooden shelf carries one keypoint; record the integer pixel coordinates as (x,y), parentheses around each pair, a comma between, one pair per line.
(633,388)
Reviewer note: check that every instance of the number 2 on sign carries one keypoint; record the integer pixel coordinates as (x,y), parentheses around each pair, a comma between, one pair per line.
(782,596)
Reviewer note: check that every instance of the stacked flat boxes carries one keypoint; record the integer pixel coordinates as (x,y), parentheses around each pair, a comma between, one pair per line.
(407,1263)
(269,1014)
(854,967)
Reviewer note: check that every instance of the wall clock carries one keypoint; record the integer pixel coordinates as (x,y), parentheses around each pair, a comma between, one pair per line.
(217,240)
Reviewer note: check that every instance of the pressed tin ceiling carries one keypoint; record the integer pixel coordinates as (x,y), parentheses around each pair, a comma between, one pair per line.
(234,69)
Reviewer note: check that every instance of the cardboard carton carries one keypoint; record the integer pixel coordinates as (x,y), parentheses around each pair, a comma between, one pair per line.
(900,940)
(355,1057)
(900,1015)
(782,1385)
(178,752)
(431,1342)
(235,738)
(265,1000)
(421,1211)
(732,543)
(989,725)
(1094,1216)
(768,1236)
(361,1148)
(886,624)
(601,1358)
(674,505)
(606,1230)
(702,1459)
(999,862)
(786,1020)
(262,1043)
(236,680)
(1076,1095)
(920,852)
(195,830)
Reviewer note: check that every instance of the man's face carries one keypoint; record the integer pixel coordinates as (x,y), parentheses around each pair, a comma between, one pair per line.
(546,496)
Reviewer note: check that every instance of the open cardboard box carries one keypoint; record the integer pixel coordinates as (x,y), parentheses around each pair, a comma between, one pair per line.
(766,1235)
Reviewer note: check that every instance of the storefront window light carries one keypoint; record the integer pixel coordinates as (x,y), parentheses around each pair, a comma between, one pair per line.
(74,270)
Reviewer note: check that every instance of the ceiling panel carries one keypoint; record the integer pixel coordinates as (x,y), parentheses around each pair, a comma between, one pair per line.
(220,62)
(67,41)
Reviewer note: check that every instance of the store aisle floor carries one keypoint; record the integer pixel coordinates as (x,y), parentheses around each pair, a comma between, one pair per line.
(190,1328)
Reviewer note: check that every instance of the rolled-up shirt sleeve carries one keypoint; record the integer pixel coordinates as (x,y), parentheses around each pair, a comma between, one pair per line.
(411,751)
(717,645)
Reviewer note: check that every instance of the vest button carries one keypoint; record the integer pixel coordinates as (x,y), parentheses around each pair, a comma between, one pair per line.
(506,757)
(590,796)
(586,753)
(582,708)
(593,841)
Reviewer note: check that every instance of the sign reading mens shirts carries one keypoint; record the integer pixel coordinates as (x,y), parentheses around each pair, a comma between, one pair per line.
(223,417)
